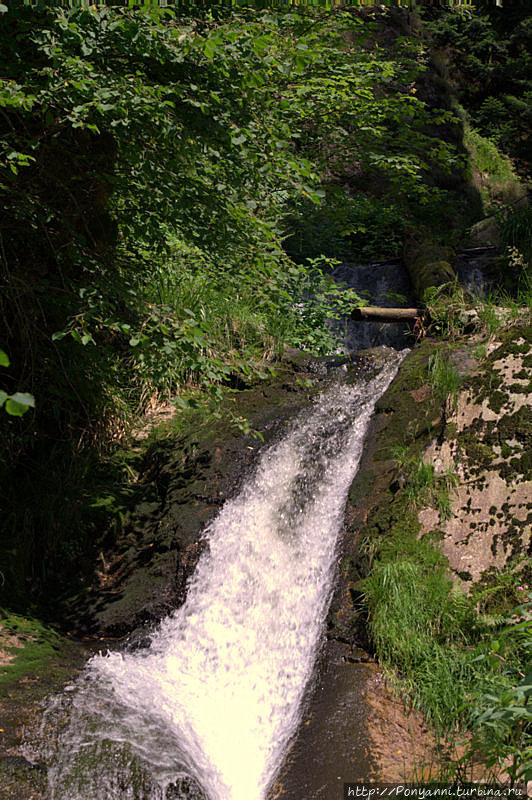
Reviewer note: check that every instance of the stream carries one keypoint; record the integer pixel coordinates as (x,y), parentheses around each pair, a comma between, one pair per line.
(208,709)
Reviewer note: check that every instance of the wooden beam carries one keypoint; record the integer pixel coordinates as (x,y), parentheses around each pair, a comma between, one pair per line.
(476,251)
(368,313)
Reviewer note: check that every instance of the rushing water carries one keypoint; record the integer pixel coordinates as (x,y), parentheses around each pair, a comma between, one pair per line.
(475,272)
(384,284)
(208,709)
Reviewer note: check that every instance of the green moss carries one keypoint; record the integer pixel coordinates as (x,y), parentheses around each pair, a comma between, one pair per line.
(516,426)
(451,431)
(506,450)
(480,454)
(361,486)
(497,592)
(22,778)
(28,644)
(492,169)
(114,759)
(496,401)
(407,418)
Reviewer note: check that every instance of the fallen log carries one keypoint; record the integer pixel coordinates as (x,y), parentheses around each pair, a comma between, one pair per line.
(369,313)
(476,251)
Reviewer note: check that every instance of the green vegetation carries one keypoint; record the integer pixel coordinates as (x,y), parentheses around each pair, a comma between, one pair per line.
(446,305)
(487,54)
(145,168)
(423,486)
(492,171)
(464,669)
(176,186)
(16,404)
(462,658)
(501,717)
(419,625)
(26,646)
(444,379)
(516,237)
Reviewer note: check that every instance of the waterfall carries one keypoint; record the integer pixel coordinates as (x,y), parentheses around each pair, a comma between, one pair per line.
(382,283)
(208,709)
(475,272)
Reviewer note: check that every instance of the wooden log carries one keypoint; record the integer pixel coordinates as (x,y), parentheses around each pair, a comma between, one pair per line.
(369,313)
(476,251)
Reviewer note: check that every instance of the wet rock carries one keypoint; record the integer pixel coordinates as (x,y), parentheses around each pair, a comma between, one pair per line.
(22,778)
(485,439)
(142,572)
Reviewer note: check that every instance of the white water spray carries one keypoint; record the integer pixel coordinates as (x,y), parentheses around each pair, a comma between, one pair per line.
(217,695)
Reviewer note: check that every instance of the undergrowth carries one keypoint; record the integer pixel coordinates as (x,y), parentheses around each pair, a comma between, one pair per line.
(423,628)
(463,669)
(492,170)
(444,379)
(423,485)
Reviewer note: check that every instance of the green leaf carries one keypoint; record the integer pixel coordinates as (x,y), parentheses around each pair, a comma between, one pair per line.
(181,402)
(24,399)
(19,403)
(3,397)
(4,359)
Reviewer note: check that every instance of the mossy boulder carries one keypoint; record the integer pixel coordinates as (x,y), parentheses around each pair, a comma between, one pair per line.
(490,447)
(428,262)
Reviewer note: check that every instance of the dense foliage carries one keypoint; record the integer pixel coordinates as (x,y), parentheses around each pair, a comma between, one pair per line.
(490,58)
(174,187)
(152,161)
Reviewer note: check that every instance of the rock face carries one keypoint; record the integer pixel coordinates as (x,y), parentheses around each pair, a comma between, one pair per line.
(485,439)
(482,438)
(488,441)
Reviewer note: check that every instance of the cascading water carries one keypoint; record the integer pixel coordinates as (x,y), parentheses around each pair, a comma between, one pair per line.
(475,271)
(383,283)
(208,709)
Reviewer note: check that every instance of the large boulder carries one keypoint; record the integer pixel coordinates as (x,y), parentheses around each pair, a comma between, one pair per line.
(429,263)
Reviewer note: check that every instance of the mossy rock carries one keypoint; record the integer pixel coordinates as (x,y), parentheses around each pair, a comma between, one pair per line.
(26,646)
(428,262)
(21,778)
(377,515)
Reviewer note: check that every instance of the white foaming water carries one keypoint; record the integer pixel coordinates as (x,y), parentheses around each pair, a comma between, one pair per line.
(217,695)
